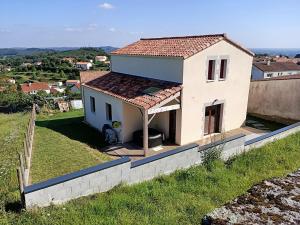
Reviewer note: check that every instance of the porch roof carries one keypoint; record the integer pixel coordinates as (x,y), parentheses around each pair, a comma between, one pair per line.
(140,91)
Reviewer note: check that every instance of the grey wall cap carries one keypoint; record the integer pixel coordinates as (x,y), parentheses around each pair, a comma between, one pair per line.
(163,155)
(220,142)
(265,136)
(74,175)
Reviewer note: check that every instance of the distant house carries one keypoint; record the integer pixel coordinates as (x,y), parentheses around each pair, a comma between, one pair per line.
(75,88)
(33,88)
(276,98)
(54,89)
(187,87)
(265,70)
(69,59)
(285,59)
(83,65)
(70,83)
(100,58)
(12,81)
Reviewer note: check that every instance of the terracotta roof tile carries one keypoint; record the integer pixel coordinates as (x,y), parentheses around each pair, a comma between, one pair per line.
(277,66)
(131,89)
(41,86)
(86,76)
(174,46)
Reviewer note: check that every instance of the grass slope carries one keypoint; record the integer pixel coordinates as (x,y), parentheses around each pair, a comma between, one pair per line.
(181,198)
(64,144)
(12,128)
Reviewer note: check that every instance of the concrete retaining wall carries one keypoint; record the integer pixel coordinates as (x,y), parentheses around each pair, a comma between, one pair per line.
(105,176)
(273,136)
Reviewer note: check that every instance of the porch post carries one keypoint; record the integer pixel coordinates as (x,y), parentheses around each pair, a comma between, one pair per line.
(145,131)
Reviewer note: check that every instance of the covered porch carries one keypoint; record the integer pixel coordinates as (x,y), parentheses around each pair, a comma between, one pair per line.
(136,152)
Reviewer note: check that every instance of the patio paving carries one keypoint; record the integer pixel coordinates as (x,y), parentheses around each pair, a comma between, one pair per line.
(135,152)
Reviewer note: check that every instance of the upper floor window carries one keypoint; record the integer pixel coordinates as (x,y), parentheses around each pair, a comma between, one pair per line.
(211,70)
(223,68)
(92,101)
(108,112)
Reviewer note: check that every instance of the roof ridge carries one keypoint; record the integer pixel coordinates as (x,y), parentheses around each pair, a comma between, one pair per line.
(187,36)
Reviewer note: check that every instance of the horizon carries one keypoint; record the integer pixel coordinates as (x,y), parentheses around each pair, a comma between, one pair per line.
(61,23)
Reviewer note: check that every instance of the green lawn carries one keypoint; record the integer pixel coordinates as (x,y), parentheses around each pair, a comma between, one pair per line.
(63,144)
(12,128)
(184,197)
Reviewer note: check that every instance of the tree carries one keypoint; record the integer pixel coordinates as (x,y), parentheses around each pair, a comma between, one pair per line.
(62,74)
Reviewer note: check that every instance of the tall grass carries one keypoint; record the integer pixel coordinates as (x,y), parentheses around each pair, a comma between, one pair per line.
(184,197)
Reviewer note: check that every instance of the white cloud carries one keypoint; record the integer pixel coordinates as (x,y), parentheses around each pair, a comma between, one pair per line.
(4,30)
(106,5)
(112,29)
(92,26)
(73,29)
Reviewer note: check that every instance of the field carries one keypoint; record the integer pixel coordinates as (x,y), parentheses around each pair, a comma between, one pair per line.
(64,144)
(184,197)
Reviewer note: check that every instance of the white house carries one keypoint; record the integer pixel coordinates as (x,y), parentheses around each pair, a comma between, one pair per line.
(187,87)
(265,70)
(33,88)
(100,58)
(83,65)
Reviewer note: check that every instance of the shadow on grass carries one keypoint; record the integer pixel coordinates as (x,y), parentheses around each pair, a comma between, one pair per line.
(75,129)
(14,207)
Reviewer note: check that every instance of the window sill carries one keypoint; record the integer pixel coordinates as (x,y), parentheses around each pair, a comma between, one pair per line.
(222,79)
(209,81)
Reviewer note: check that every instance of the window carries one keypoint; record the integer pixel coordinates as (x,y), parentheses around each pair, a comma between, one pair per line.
(211,70)
(108,112)
(223,68)
(92,101)
(269,75)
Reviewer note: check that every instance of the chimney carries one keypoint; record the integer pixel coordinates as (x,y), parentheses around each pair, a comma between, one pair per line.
(29,84)
(268,62)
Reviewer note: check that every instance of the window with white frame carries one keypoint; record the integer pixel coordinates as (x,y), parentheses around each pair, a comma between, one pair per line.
(223,68)
(211,70)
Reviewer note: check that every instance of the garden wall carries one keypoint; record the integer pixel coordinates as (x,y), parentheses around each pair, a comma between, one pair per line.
(107,175)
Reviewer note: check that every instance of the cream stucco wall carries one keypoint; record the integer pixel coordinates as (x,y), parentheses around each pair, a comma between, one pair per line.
(162,68)
(98,118)
(198,92)
(275,98)
(133,121)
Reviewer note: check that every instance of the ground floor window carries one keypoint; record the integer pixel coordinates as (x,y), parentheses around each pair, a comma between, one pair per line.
(108,112)
(92,101)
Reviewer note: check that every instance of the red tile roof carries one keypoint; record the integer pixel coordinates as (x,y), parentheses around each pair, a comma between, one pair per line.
(86,76)
(131,89)
(288,77)
(183,47)
(41,86)
(277,66)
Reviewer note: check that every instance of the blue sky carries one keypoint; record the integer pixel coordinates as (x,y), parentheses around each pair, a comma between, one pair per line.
(57,23)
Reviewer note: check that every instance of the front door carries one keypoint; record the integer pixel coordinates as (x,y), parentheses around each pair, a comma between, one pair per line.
(172,126)
(212,119)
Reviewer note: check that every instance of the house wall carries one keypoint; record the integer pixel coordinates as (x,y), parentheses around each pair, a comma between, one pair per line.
(256,74)
(198,92)
(133,121)
(98,118)
(277,99)
(280,73)
(162,68)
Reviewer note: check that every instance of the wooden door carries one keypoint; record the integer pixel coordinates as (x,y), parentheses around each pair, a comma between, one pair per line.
(212,119)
